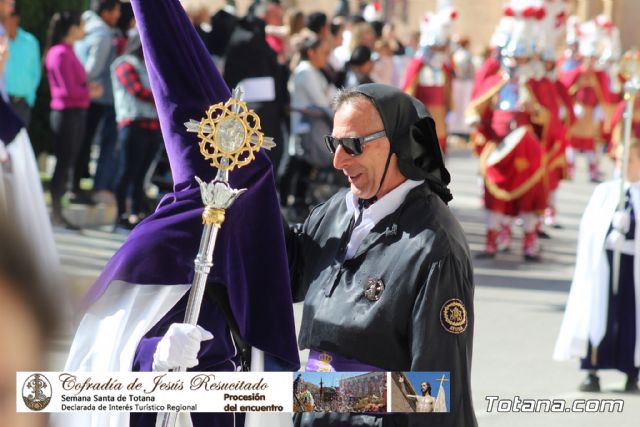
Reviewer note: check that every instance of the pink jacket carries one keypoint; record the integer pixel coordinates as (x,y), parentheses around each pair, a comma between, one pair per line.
(67,78)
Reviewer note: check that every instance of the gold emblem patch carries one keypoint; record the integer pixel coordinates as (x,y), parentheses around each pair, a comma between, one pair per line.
(453,316)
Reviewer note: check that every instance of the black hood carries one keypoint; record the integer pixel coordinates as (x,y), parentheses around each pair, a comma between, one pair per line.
(412,133)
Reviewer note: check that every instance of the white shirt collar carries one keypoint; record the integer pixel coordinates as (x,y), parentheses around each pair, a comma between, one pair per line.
(383,206)
(374,213)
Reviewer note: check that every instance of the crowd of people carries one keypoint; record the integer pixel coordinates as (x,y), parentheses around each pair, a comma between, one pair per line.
(100,94)
(572,102)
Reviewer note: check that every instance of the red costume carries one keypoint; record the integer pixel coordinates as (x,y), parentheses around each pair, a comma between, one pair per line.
(513,178)
(432,86)
(589,89)
(550,129)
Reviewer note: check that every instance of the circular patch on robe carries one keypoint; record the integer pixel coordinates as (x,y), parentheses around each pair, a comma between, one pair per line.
(373,289)
(453,316)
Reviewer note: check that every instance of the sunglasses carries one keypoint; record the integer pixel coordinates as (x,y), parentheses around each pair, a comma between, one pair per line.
(352,145)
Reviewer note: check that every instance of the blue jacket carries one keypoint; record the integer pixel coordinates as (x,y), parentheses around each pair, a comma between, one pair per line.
(97,51)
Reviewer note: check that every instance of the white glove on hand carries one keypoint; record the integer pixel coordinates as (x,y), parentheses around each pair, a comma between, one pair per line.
(179,347)
(621,221)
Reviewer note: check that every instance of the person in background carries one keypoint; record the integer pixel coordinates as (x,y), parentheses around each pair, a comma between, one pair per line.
(389,33)
(6,8)
(318,23)
(384,70)
(276,32)
(139,135)
(125,27)
(222,24)
(337,28)
(22,68)
(360,66)
(311,95)
(70,95)
(200,15)
(263,73)
(601,325)
(461,87)
(96,51)
(295,20)
(295,33)
(356,33)
(362,34)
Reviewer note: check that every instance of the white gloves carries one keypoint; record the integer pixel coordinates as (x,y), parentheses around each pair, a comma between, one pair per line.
(179,347)
(621,221)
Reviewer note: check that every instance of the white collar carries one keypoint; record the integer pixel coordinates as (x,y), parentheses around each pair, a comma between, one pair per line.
(383,206)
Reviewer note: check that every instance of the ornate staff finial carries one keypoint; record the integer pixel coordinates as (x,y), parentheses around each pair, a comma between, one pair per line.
(230,134)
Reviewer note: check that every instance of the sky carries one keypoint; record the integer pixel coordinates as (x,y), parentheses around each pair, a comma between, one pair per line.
(416,378)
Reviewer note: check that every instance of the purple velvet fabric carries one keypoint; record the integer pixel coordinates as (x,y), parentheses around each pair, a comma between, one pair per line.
(250,256)
(10,123)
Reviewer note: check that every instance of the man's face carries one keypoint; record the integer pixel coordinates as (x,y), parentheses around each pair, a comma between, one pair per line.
(424,387)
(111,16)
(360,118)
(273,15)
(318,57)
(6,9)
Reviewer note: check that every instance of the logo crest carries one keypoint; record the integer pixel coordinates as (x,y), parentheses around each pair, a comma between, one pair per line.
(453,316)
(36,392)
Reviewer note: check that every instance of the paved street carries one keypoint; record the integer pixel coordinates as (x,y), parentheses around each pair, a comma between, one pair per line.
(518,306)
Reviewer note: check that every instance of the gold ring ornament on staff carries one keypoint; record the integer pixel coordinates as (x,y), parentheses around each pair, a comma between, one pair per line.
(230,134)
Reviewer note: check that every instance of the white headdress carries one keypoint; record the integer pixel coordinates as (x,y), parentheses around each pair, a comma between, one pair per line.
(373,12)
(588,42)
(435,27)
(609,35)
(527,15)
(550,28)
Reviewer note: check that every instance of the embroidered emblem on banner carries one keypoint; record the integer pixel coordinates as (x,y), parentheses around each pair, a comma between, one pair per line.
(374,289)
(453,316)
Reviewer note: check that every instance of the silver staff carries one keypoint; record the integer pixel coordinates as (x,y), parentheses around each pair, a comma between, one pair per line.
(630,69)
(229,137)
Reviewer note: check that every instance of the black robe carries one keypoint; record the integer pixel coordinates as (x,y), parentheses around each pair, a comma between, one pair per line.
(248,56)
(420,254)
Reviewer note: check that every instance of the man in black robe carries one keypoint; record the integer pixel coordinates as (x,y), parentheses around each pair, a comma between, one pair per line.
(384,269)
(250,60)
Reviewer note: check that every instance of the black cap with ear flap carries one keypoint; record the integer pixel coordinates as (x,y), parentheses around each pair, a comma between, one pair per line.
(412,133)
